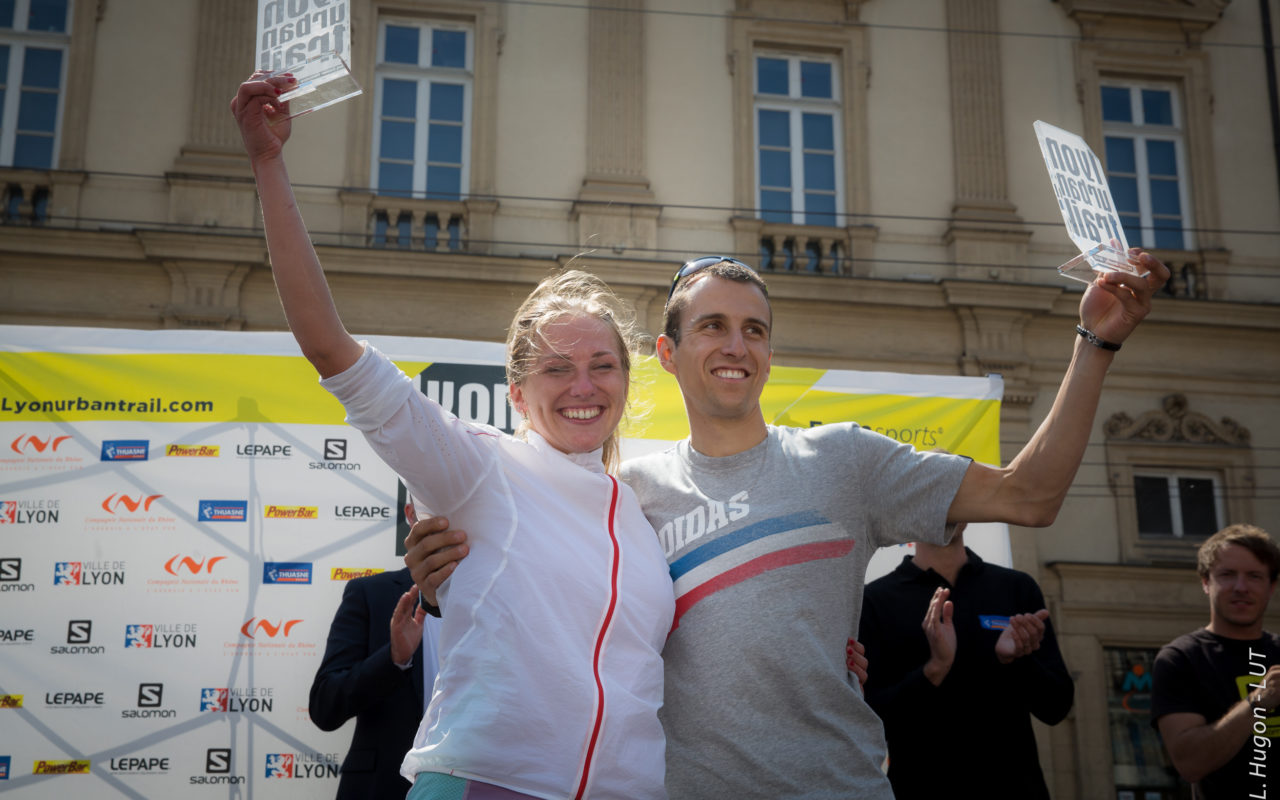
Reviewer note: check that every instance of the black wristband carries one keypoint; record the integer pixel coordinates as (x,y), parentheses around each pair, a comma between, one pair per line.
(1093,339)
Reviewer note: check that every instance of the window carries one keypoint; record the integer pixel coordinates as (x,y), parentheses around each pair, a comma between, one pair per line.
(797,130)
(422,110)
(1178,505)
(33,56)
(1143,141)
(1140,765)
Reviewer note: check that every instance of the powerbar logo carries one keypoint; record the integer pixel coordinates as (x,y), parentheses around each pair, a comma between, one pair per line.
(286,572)
(11,700)
(192,450)
(223,511)
(74,767)
(291,512)
(346,574)
(125,449)
(301,765)
(232,701)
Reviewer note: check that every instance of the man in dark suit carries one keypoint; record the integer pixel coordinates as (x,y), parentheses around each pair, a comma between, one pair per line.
(376,662)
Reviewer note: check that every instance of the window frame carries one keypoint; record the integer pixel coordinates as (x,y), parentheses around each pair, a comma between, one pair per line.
(424,77)
(19,40)
(1172,476)
(1140,132)
(795,106)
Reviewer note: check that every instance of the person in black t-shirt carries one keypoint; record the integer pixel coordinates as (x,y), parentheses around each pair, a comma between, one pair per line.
(1214,689)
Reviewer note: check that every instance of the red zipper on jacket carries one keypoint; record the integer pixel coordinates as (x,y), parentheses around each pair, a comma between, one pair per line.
(595,660)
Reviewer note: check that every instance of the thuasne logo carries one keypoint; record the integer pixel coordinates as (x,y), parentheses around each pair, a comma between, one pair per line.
(125,449)
(286,572)
(223,511)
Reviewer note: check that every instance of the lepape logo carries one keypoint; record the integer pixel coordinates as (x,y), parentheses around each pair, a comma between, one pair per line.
(254,626)
(116,501)
(34,444)
(194,566)
(264,450)
(135,765)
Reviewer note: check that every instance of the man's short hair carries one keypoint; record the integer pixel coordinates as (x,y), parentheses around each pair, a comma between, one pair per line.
(1250,537)
(680,297)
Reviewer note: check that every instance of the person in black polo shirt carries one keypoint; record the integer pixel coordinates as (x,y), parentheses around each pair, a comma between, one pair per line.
(1213,690)
(983,660)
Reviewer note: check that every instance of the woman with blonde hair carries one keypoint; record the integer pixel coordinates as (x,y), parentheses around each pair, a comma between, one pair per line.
(550,672)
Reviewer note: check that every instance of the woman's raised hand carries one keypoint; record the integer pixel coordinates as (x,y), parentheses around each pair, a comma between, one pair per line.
(255,106)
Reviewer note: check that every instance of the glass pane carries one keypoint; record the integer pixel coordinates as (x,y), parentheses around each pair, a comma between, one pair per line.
(1161,158)
(6,13)
(819,209)
(1157,107)
(775,168)
(41,68)
(1115,104)
(819,172)
(771,76)
(444,144)
(1164,198)
(47,15)
(33,151)
(1199,514)
(395,178)
(4,64)
(1168,234)
(1132,225)
(444,182)
(1120,157)
(399,99)
(397,140)
(1155,518)
(446,102)
(449,49)
(818,132)
(1125,192)
(1137,757)
(775,130)
(815,79)
(37,111)
(775,206)
(402,45)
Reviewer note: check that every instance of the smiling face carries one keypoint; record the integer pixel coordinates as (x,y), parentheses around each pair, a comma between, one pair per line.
(1239,588)
(722,360)
(576,389)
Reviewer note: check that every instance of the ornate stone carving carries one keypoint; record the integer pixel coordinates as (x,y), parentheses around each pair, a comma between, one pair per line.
(1174,422)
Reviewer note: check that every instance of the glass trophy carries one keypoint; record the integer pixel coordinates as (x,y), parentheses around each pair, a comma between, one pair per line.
(1088,209)
(1099,258)
(323,80)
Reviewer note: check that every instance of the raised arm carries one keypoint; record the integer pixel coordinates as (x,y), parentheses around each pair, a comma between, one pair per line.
(1030,491)
(300,282)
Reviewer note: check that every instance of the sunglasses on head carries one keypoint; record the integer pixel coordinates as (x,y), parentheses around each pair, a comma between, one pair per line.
(697,264)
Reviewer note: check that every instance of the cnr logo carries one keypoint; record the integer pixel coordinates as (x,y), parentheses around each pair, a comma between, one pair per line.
(253,625)
(28,443)
(113,502)
(191,565)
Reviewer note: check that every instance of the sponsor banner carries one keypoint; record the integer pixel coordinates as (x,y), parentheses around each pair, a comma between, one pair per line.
(244,476)
(61,767)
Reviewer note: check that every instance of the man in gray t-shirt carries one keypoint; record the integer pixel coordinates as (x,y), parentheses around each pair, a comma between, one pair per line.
(768,532)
